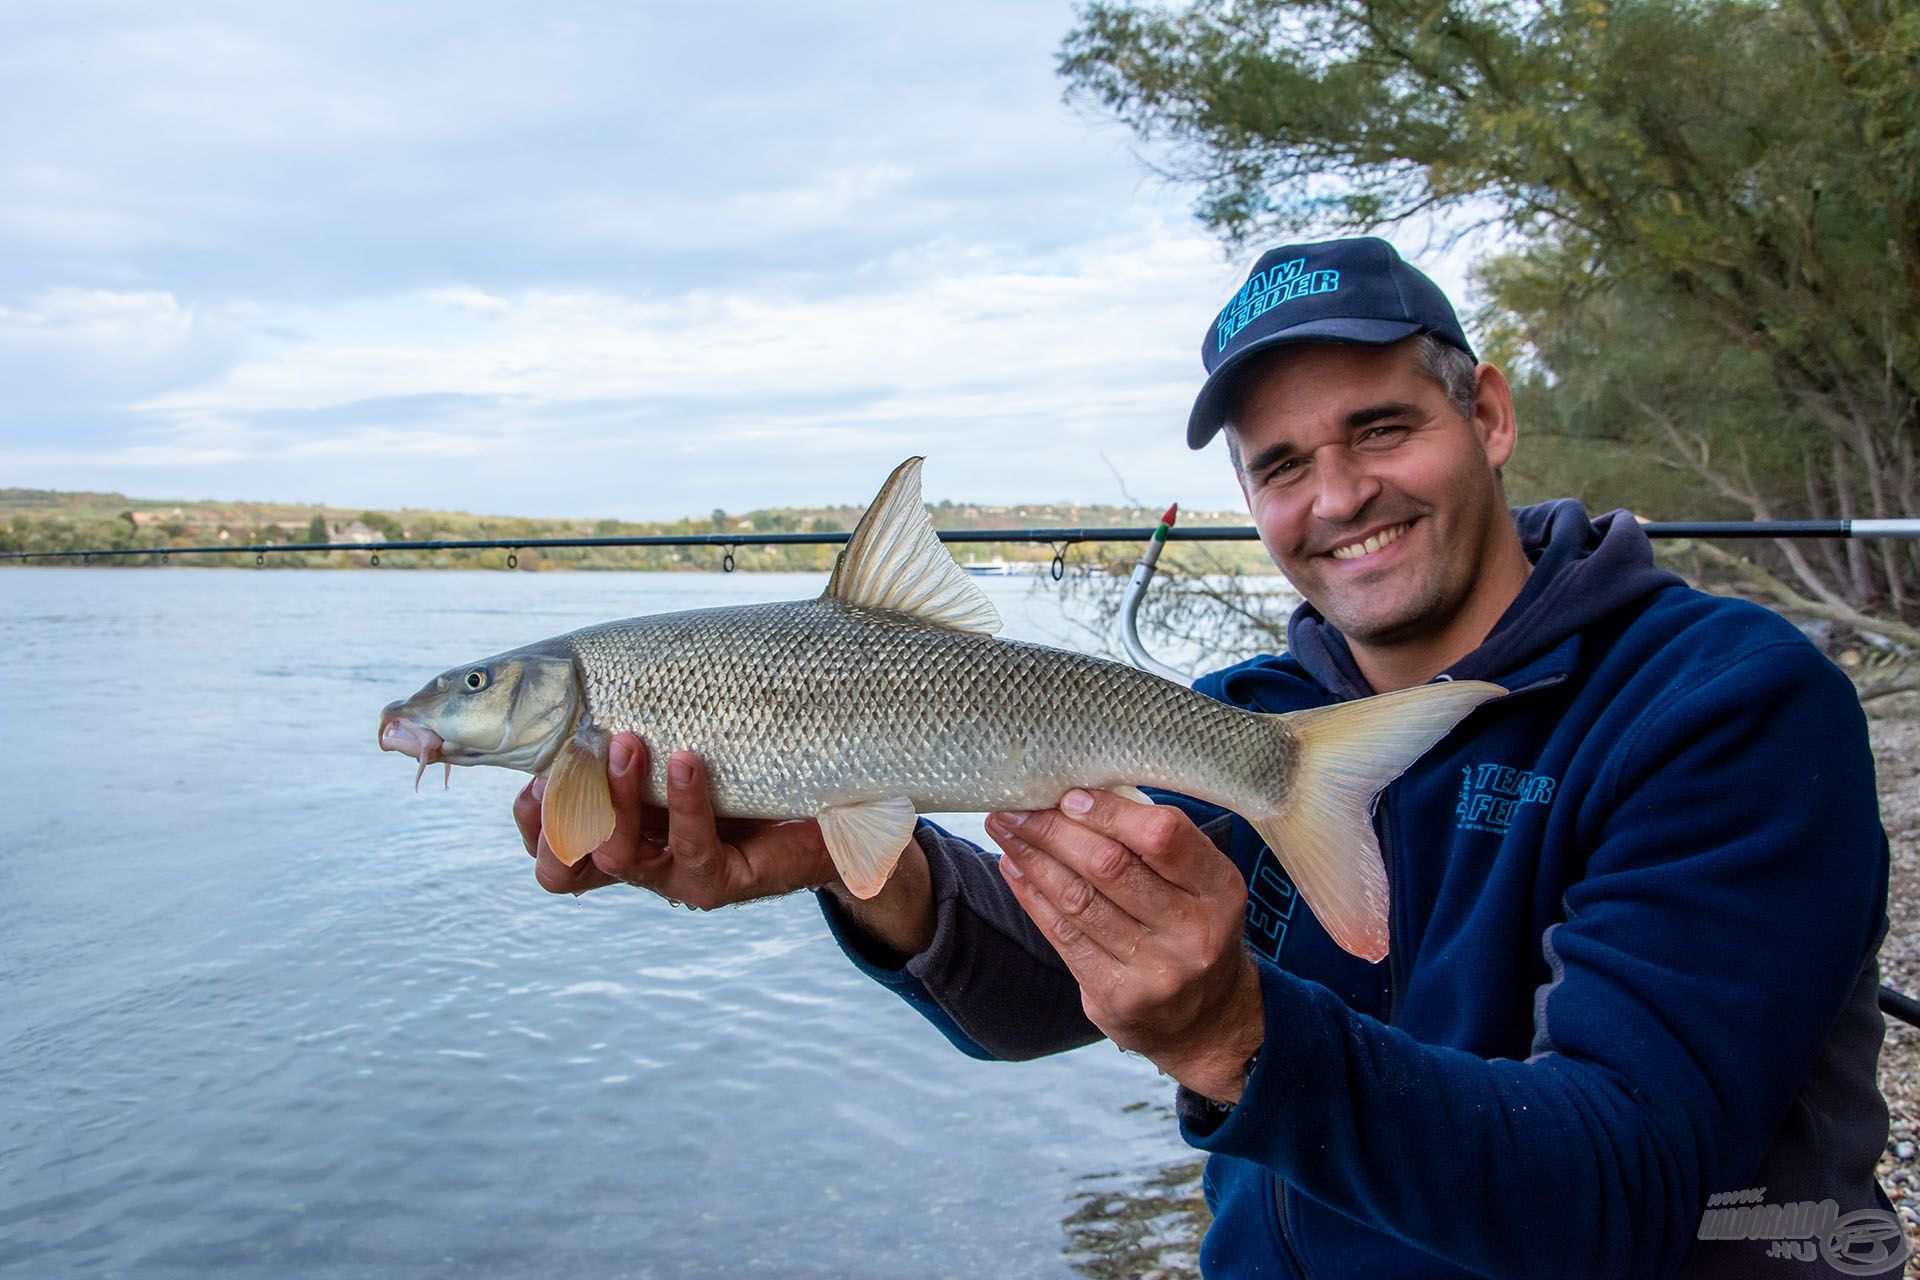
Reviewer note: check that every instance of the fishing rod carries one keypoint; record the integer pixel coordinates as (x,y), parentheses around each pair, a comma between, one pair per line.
(1058,538)
(1893,1003)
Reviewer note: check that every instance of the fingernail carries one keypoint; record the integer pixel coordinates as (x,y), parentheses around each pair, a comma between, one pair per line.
(539,789)
(1076,802)
(619,758)
(680,772)
(1014,818)
(1012,869)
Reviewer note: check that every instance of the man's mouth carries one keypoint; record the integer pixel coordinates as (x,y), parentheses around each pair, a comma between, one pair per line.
(1367,546)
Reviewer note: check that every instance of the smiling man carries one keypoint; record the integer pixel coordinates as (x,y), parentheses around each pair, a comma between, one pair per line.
(1378,496)
(1635,904)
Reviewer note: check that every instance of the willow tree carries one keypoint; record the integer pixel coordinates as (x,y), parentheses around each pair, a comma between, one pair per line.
(1709,212)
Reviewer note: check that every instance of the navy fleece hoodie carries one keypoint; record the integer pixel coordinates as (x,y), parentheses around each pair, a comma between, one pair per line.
(1635,910)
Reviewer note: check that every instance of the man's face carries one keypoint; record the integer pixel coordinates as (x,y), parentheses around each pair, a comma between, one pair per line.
(1372,493)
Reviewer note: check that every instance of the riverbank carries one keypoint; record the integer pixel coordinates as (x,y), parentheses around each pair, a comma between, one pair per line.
(1895,725)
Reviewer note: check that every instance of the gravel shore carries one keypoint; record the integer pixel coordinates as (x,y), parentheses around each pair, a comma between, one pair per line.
(1895,726)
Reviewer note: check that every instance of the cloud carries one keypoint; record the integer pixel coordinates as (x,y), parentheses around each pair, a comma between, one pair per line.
(1038,326)
(972,347)
(620,260)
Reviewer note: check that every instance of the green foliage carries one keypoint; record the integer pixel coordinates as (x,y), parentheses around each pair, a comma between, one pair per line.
(383,524)
(40,521)
(1710,298)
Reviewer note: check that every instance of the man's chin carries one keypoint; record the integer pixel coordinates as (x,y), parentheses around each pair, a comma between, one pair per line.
(1375,625)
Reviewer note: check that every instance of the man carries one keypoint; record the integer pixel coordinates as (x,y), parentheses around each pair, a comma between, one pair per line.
(1635,903)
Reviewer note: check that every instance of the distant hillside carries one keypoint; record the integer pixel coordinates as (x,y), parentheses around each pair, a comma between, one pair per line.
(52,520)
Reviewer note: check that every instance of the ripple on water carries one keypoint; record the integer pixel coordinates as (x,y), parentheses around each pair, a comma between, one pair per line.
(267,1011)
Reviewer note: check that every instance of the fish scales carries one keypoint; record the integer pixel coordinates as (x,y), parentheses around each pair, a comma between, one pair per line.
(889,696)
(798,705)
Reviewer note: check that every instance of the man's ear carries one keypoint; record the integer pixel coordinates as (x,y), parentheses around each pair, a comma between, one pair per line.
(1493,415)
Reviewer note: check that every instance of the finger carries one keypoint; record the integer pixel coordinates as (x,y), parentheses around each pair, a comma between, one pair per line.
(1116,871)
(526,812)
(556,876)
(1090,964)
(1070,895)
(692,837)
(1164,838)
(632,853)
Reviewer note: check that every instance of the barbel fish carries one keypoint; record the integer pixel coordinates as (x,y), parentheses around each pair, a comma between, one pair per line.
(889,696)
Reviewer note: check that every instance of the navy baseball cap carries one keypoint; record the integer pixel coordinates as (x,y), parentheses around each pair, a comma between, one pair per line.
(1335,291)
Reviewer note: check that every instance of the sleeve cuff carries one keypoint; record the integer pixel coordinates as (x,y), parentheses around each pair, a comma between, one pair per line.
(1270,1088)
(903,977)
(869,956)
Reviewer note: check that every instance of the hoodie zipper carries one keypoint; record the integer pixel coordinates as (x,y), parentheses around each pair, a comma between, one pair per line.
(1395,976)
(1396,901)
(1286,1231)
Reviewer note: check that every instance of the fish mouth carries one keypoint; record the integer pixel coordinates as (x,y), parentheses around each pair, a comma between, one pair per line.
(411,738)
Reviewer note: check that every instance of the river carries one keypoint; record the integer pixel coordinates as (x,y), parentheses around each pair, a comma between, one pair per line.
(266,1010)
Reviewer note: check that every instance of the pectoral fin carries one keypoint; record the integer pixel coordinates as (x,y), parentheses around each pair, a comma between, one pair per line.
(866,839)
(577,813)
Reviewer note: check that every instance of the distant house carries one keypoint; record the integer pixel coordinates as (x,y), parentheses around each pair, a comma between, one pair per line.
(358,532)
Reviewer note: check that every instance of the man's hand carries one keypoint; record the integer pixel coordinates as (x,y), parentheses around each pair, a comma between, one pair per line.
(1148,915)
(680,852)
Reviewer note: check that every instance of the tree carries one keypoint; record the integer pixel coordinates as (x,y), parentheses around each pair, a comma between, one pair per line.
(385,525)
(1712,209)
(317,528)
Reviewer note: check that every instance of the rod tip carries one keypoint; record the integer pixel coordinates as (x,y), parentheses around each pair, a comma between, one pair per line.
(1172,512)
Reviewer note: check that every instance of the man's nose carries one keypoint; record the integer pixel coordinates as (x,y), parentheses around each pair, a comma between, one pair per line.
(1343,488)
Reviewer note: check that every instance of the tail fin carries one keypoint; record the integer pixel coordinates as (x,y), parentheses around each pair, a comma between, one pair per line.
(1323,833)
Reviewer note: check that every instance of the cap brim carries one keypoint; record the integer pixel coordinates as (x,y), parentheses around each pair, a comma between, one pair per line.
(1216,396)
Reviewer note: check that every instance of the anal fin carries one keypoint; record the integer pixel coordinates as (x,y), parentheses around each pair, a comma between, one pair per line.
(865,840)
(577,813)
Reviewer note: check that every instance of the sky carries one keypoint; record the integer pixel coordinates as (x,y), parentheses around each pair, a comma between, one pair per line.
(628,260)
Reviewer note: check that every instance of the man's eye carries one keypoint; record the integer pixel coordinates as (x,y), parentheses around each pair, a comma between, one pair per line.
(1384,432)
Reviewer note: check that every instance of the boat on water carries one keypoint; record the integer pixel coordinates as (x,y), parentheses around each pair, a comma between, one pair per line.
(995,568)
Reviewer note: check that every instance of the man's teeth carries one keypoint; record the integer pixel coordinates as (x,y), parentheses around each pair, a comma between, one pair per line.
(1371,545)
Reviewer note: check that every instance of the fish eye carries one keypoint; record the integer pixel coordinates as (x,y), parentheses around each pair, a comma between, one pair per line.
(477,679)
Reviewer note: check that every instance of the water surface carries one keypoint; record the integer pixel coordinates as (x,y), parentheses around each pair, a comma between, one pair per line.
(264,1009)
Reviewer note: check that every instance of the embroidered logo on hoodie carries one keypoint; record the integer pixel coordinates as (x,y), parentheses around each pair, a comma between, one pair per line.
(1491,796)
(1270,902)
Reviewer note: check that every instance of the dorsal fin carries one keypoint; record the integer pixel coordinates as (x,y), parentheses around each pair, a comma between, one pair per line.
(895,561)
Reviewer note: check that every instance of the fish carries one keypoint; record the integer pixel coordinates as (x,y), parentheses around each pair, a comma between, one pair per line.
(890,695)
